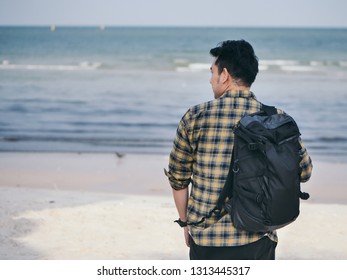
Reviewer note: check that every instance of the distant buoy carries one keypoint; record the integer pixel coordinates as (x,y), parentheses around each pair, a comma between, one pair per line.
(102,27)
(52,28)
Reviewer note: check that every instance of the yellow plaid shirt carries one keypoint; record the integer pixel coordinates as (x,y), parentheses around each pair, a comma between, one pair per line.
(201,156)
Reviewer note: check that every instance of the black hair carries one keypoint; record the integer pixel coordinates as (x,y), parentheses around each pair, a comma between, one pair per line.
(238,57)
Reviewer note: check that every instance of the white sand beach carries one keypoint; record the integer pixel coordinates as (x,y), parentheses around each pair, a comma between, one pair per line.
(100,206)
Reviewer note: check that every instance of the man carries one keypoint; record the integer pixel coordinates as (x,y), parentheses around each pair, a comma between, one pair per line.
(201,156)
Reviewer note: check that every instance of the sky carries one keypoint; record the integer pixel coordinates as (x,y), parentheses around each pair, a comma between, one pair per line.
(251,13)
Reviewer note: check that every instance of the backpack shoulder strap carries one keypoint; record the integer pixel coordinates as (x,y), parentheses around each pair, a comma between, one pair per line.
(228,186)
(269,110)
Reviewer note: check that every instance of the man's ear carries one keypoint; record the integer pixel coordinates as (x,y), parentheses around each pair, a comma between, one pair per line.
(224,76)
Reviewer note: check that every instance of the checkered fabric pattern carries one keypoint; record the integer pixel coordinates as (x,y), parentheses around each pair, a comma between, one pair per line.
(201,155)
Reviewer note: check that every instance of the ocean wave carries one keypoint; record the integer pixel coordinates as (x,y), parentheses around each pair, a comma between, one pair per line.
(299,68)
(85,65)
(193,67)
(278,62)
(313,66)
(334,139)
(184,65)
(57,142)
(276,65)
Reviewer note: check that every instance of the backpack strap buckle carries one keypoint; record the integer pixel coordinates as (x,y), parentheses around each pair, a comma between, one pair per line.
(253,146)
(236,167)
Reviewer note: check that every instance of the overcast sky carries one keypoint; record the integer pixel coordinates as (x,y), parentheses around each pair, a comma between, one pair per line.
(273,13)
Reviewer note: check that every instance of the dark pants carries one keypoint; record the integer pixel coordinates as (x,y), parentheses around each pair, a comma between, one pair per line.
(263,249)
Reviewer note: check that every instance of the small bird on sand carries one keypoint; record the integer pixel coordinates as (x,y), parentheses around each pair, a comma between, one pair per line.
(119,155)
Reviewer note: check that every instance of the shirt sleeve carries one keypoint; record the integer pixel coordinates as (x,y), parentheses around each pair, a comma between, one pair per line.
(305,164)
(181,157)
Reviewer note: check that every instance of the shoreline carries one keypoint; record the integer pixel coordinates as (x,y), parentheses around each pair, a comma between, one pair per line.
(96,172)
(100,206)
(138,174)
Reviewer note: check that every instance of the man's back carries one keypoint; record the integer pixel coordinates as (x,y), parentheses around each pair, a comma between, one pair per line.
(203,148)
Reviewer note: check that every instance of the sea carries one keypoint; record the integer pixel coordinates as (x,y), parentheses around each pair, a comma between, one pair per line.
(124,89)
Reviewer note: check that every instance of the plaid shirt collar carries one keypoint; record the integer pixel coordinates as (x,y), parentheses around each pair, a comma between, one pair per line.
(238,93)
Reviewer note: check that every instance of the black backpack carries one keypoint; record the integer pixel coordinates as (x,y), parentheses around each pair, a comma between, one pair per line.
(262,190)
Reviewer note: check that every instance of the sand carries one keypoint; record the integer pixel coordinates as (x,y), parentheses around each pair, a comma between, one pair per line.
(99,206)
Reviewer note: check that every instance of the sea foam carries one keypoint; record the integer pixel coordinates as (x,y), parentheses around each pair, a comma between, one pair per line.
(6,65)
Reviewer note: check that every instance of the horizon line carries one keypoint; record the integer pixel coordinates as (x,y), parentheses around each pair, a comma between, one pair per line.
(105,26)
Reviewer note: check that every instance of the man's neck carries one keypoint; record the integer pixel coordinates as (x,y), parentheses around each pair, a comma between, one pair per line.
(235,87)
